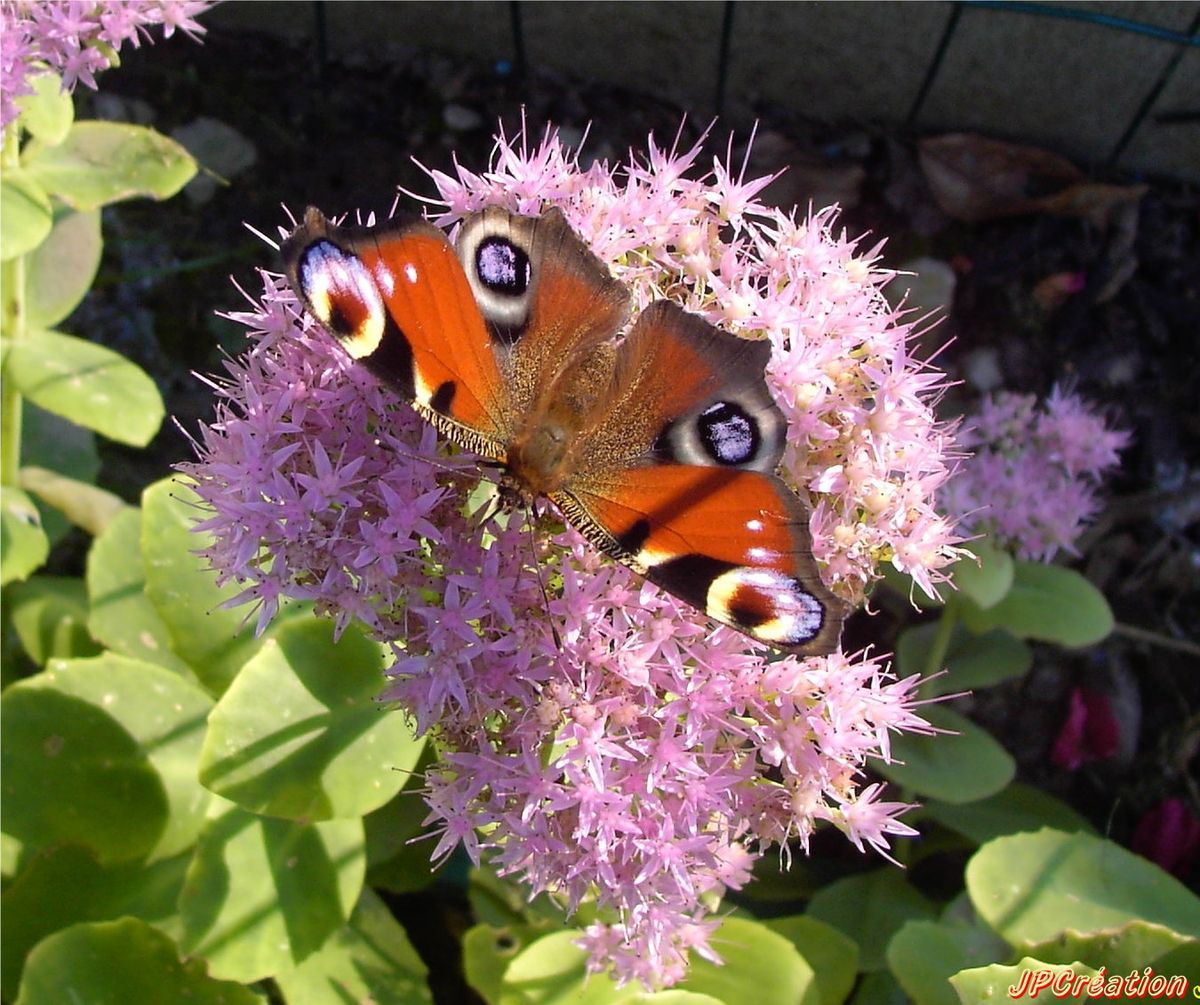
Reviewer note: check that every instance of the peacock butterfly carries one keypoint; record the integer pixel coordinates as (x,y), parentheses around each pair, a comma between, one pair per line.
(660,446)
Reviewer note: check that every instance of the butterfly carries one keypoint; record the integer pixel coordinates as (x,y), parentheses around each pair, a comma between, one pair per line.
(660,446)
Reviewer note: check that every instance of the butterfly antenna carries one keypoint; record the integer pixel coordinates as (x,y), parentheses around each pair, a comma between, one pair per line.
(530,516)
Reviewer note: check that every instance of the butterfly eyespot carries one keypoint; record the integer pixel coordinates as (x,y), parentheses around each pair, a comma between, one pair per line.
(503,267)
(340,292)
(770,605)
(728,433)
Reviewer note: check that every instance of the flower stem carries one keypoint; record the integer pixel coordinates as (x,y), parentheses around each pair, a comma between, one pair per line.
(12,326)
(941,642)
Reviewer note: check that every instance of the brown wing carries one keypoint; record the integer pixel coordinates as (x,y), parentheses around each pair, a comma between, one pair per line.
(677,480)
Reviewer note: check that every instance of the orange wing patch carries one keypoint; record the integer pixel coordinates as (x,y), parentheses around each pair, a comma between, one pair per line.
(731,542)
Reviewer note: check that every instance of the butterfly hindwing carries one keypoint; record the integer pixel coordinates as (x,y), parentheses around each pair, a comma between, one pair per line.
(689,496)
(397,299)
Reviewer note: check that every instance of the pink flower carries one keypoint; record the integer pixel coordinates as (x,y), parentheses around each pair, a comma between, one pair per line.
(1090,733)
(1033,478)
(601,739)
(1169,835)
(76,38)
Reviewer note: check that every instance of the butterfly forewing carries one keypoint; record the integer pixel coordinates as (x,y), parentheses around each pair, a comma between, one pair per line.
(398,301)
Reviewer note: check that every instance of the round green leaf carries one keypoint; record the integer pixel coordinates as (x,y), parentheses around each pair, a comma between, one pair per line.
(552,971)
(959,766)
(1032,887)
(1130,947)
(116,962)
(65,885)
(23,544)
(985,575)
(104,162)
(50,616)
(832,956)
(759,965)
(972,661)
(1015,808)
(997,982)
(73,773)
(149,803)
(51,442)
(487,951)
(62,268)
(120,615)
(923,955)
(263,894)
(395,862)
(25,215)
(870,909)
(48,112)
(213,640)
(369,960)
(299,733)
(92,386)
(1049,603)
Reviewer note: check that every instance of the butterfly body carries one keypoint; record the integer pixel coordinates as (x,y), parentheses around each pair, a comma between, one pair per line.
(659,445)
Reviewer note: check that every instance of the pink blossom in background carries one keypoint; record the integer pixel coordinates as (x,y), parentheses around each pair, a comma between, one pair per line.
(1090,733)
(77,39)
(601,739)
(1032,479)
(1169,836)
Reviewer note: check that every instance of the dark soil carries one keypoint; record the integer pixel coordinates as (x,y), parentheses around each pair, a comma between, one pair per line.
(344,137)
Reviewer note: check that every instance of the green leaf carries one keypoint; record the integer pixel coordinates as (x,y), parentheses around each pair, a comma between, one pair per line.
(48,112)
(65,885)
(832,956)
(62,268)
(879,988)
(1131,947)
(214,641)
(89,735)
(120,614)
(50,616)
(395,862)
(48,441)
(487,951)
(23,543)
(121,961)
(985,578)
(1049,603)
(924,955)
(972,661)
(959,768)
(369,960)
(551,971)
(84,505)
(104,162)
(1031,887)
(1015,808)
(25,215)
(300,734)
(92,386)
(870,909)
(759,965)
(262,894)
(996,983)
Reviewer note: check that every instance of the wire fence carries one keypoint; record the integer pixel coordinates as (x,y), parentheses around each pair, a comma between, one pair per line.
(1107,89)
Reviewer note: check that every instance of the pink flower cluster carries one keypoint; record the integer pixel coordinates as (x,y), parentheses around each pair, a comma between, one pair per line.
(77,39)
(600,740)
(864,448)
(1032,480)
